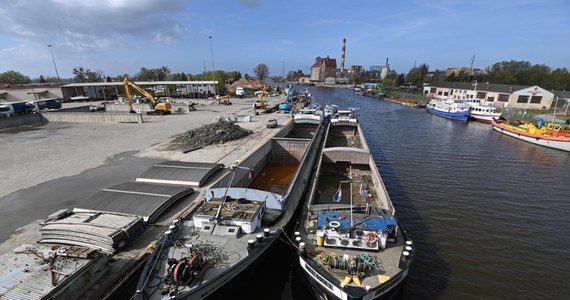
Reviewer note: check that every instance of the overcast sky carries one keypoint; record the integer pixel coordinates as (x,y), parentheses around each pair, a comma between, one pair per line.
(121,36)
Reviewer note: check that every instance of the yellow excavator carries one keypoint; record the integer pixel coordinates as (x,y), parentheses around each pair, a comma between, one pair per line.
(261,103)
(158,108)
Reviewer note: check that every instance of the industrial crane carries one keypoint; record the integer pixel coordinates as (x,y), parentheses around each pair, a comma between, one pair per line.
(158,108)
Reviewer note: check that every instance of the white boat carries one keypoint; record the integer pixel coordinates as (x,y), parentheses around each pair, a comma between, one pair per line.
(483,113)
(330,110)
(309,115)
(345,115)
(80,98)
(238,219)
(350,243)
(450,108)
(469,101)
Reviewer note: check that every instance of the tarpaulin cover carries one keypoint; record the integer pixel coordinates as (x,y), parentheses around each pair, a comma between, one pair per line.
(360,221)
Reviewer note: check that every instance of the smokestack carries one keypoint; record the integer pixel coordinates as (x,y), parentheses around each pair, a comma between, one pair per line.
(343,52)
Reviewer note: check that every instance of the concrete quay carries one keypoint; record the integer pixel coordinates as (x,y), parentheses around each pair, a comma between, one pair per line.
(51,166)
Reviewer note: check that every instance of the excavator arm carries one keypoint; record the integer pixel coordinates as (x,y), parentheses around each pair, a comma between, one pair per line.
(158,108)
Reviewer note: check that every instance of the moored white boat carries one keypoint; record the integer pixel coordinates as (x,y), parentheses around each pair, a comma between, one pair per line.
(330,110)
(238,219)
(450,108)
(309,115)
(351,247)
(345,115)
(483,113)
(550,135)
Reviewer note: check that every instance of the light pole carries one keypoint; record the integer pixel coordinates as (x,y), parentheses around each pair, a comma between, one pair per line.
(54,65)
(213,80)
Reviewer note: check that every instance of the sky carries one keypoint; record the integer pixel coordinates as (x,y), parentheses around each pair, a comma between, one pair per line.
(119,37)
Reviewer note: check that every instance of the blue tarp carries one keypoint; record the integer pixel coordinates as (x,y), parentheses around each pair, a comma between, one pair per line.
(361,221)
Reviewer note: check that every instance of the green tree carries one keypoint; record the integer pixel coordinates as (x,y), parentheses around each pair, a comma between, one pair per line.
(560,79)
(424,69)
(14,77)
(414,77)
(261,71)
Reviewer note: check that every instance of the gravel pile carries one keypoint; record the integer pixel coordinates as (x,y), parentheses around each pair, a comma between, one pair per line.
(215,133)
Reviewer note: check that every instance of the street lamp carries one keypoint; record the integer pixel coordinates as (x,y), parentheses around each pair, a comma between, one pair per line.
(54,65)
(213,80)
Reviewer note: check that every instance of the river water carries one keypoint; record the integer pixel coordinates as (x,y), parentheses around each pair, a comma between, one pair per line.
(488,213)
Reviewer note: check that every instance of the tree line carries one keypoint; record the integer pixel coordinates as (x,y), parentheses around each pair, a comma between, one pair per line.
(82,74)
(505,72)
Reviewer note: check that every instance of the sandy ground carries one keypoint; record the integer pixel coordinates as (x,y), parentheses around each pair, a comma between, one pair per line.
(36,159)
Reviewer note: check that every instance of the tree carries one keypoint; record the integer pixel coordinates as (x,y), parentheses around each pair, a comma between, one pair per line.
(261,71)
(560,79)
(14,77)
(414,77)
(424,69)
(80,74)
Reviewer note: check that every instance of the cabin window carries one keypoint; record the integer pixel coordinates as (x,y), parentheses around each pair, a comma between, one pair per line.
(439,93)
(491,99)
(207,227)
(481,95)
(231,230)
(432,90)
(446,94)
(522,99)
(536,99)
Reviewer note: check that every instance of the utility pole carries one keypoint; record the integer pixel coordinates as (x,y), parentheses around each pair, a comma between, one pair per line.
(471,68)
(54,65)
(213,79)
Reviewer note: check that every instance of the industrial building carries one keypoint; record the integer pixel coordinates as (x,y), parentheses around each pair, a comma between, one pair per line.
(106,90)
(323,68)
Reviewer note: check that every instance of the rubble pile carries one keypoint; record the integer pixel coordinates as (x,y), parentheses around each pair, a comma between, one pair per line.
(214,133)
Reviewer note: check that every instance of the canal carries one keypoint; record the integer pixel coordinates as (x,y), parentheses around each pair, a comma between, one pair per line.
(488,213)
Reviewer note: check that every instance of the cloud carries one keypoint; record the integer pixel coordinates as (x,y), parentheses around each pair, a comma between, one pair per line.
(90,24)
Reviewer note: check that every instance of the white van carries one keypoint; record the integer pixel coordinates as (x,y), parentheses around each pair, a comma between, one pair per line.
(240,92)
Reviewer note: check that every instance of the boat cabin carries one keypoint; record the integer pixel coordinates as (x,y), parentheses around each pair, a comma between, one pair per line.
(233,210)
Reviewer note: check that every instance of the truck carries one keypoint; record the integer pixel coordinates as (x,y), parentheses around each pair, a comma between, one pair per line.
(35,106)
(9,109)
(158,108)
(240,92)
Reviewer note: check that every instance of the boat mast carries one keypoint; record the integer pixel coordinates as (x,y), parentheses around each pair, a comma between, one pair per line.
(555,106)
(350,180)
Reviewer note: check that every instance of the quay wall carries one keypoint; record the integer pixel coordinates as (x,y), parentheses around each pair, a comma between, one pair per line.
(94,117)
(20,120)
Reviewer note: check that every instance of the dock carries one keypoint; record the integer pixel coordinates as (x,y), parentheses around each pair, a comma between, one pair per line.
(149,138)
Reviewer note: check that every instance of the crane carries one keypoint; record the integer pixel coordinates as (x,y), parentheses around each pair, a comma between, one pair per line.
(158,108)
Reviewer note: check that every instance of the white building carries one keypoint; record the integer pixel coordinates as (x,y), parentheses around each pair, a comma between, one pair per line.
(498,95)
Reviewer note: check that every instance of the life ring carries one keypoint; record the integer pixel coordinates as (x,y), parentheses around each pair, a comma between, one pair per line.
(371,237)
(334,224)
